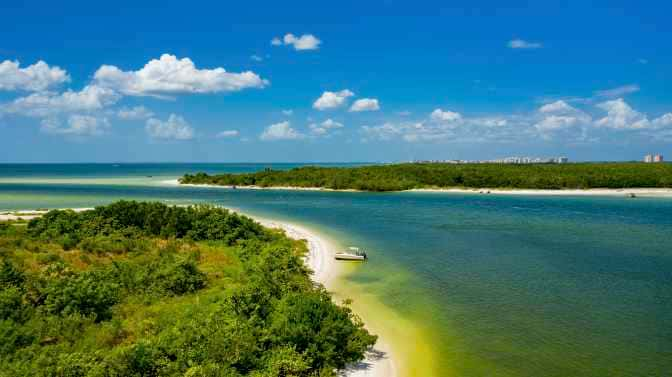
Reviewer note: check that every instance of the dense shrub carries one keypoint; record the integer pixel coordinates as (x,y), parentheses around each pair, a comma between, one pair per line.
(409,176)
(144,289)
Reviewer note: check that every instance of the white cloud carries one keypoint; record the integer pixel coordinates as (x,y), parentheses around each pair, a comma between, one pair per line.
(556,107)
(280,131)
(34,78)
(663,121)
(77,125)
(169,75)
(618,92)
(332,100)
(365,104)
(559,115)
(135,113)
(257,58)
(557,122)
(46,104)
(175,128)
(288,112)
(404,113)
(304,42)
(323,128)
(522,44)
(439,115)
(227,134)
(490,122)
(621,116)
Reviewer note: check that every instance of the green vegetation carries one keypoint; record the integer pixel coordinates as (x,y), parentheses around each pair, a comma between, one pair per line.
(412,176)
(145,289)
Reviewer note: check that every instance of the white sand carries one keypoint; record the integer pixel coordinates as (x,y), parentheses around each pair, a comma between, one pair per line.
(650,192)
(30,214)
(175,182)
(320,259)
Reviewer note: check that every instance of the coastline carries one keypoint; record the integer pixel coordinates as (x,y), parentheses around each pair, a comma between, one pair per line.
(379,362)
(622,192)
(320,259)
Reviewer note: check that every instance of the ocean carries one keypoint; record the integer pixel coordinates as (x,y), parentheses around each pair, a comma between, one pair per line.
(465,284)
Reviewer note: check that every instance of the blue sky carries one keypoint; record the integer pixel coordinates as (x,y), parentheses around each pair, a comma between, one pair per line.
(334,81)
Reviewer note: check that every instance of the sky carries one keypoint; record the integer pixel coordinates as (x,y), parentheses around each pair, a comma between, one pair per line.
(346,81)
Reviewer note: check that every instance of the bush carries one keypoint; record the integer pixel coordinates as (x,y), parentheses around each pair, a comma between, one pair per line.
(85,293)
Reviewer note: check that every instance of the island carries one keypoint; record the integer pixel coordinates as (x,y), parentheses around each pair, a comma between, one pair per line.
(410,176)
(146,289)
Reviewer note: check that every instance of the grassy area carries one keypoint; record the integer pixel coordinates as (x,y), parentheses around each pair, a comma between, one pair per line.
(143,289)
(414,176)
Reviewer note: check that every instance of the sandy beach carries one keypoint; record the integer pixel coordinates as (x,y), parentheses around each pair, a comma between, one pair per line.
(625,192)
(320,259)
(30,214)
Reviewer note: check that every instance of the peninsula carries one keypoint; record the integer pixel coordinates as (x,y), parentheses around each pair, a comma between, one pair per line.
(413,176)
(137,288)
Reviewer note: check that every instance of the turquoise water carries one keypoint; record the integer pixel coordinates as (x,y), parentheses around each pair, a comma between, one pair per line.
(502,285)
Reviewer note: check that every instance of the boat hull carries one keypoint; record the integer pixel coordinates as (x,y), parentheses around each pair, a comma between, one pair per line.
(349,257)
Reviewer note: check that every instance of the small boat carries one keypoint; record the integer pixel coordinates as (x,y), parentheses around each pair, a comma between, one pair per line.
(353,253)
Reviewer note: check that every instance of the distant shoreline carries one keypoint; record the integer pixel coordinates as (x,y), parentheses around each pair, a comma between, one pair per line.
(622,192)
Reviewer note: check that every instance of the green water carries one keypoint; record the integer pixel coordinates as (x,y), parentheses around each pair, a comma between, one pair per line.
(497,285)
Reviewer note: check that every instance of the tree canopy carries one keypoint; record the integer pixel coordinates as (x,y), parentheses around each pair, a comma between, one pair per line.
(440,175)
(146,289)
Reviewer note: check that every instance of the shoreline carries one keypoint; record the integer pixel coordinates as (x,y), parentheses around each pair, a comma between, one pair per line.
(621,192)
(378,362)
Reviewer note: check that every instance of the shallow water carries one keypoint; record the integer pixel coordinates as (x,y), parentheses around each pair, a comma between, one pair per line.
(497,285)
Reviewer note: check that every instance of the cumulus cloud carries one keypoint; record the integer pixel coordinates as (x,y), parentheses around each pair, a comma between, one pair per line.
(559,115)
(621,116)
(331,100)
(553,121)
(663,121)
(618,92)
(46,104)
(439,115)
(175,128)
(280,131)
(365,104)
(304,42)
(522,44)
(34,78)
(77,125)
(134,113)
(169,75)
(227,134)
(323,128)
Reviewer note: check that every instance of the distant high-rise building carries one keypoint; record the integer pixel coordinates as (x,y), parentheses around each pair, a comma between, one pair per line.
(658,158)
(648,158)
(562,160)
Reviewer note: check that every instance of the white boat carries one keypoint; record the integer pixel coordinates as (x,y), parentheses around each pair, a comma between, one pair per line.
(353,253)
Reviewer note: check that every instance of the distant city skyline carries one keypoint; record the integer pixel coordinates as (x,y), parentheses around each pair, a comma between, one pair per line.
(322,82)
